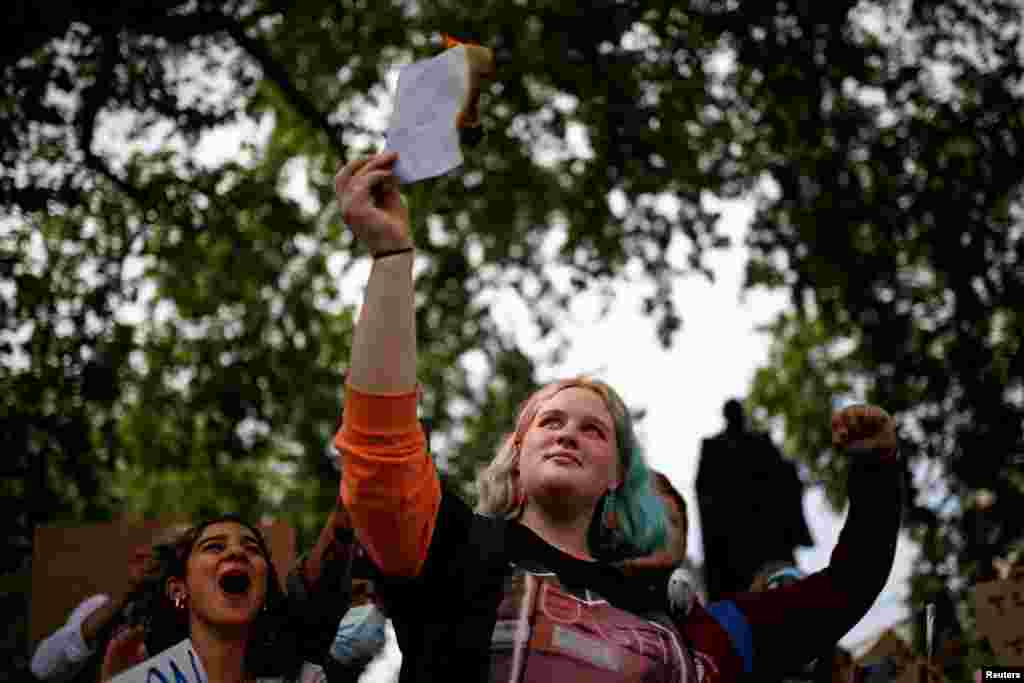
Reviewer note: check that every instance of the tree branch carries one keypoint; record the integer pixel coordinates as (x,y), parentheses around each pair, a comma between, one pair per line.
(93,99)
(274,70)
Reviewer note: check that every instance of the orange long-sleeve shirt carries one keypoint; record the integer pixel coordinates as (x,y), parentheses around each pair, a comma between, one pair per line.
(389,483)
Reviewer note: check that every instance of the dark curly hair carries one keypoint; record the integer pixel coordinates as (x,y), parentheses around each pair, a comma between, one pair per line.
(273,649)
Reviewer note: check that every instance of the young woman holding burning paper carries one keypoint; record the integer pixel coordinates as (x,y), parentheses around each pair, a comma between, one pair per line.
(529,588)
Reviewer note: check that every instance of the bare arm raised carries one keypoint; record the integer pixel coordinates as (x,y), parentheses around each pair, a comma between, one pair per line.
(389,484)
(384,348)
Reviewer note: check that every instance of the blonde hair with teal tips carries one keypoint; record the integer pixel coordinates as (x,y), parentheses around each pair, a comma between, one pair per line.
(638,512)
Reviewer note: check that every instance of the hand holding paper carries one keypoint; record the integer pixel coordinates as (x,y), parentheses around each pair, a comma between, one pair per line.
(435,99)
(370,203)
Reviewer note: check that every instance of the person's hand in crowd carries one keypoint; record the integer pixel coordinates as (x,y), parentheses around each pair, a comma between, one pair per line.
(371,204)
(865,430)
(125,650)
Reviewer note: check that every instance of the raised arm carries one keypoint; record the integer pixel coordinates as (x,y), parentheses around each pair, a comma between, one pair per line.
(780,629)
(389,485)
(63,653)
(384,348)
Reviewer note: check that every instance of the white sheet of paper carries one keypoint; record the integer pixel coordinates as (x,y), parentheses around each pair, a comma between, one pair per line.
(173,665)
(422,127)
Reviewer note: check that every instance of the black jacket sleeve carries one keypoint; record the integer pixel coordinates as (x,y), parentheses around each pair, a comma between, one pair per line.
(315,611)
(792,625)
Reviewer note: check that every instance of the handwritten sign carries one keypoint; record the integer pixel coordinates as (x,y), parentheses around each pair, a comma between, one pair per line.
(999,611)
(177,664)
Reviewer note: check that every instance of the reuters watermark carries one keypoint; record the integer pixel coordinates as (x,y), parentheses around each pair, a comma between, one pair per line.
(999,673)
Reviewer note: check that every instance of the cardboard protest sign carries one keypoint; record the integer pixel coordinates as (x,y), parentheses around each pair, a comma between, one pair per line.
(177,664)
(887,660)
(71,563)
(888,646)
(999,613)
(919,670)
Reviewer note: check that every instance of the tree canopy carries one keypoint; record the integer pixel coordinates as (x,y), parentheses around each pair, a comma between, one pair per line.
(896,225)
(173,320)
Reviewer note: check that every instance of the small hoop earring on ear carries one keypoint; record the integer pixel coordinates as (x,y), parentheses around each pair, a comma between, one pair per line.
(179,601)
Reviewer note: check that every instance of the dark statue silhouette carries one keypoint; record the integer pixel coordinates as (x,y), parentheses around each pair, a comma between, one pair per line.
(750,503)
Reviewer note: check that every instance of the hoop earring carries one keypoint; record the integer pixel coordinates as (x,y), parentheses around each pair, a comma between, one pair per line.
(179,601)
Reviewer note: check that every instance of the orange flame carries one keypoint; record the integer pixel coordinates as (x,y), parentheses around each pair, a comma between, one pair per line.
(451,41)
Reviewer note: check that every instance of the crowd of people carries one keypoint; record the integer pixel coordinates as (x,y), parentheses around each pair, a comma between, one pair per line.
(572,566)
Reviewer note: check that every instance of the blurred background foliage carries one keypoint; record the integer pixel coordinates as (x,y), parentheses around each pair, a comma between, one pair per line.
(175,320)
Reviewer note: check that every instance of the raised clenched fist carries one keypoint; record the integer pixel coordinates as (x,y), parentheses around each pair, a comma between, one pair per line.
(865,428)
